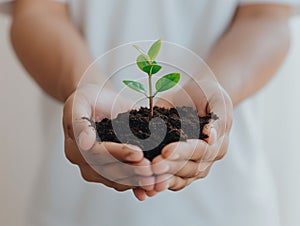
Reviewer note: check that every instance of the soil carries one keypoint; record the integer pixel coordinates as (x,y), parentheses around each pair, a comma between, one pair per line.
(167,126)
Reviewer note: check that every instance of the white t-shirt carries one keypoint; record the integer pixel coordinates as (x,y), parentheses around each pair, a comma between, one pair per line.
(239,189)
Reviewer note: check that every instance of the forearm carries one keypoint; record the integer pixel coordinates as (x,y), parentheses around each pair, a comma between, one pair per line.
(49,46)
(251,51)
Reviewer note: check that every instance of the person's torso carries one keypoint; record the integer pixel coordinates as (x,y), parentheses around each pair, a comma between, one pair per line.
(237,191)
(194,24)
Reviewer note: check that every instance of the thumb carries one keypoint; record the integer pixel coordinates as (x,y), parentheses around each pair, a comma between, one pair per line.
(87,138)
(76,125)
(211,131)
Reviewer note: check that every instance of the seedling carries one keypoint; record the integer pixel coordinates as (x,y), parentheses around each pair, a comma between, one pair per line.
(146,62)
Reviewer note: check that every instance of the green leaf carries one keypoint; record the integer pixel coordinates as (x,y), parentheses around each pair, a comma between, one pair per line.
(142,62)
(152,69)
(135,86)
(167,82)
(154,50)
(140,50)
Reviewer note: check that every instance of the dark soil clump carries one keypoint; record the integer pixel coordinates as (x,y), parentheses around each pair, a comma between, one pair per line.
(167,126)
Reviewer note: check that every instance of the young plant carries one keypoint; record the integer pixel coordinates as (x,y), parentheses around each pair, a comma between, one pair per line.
(146,62)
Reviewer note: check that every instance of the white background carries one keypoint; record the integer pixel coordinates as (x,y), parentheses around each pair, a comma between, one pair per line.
(21,149)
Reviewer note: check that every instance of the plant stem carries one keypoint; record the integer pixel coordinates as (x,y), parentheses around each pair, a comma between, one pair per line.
(150,96)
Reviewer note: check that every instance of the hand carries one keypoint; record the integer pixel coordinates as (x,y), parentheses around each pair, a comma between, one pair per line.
(181,163)
(119,166)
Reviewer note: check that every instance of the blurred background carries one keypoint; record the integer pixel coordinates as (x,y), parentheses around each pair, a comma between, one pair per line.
(21,148)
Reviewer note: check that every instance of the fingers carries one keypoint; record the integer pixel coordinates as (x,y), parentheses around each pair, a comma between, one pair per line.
(89,175)
(178,183)
(196,150)
(140,194)
(222,148)
(119,170)
(191,150)
(151,193)
(216,151)
(87,138)
(171,182)
(221,104)
(189,160)
(183,169)
(110,162)
(211,132)
(120,166)
(162,182)
(75,108)
(122,163)
(72,152)
(146,183)
(110,152)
